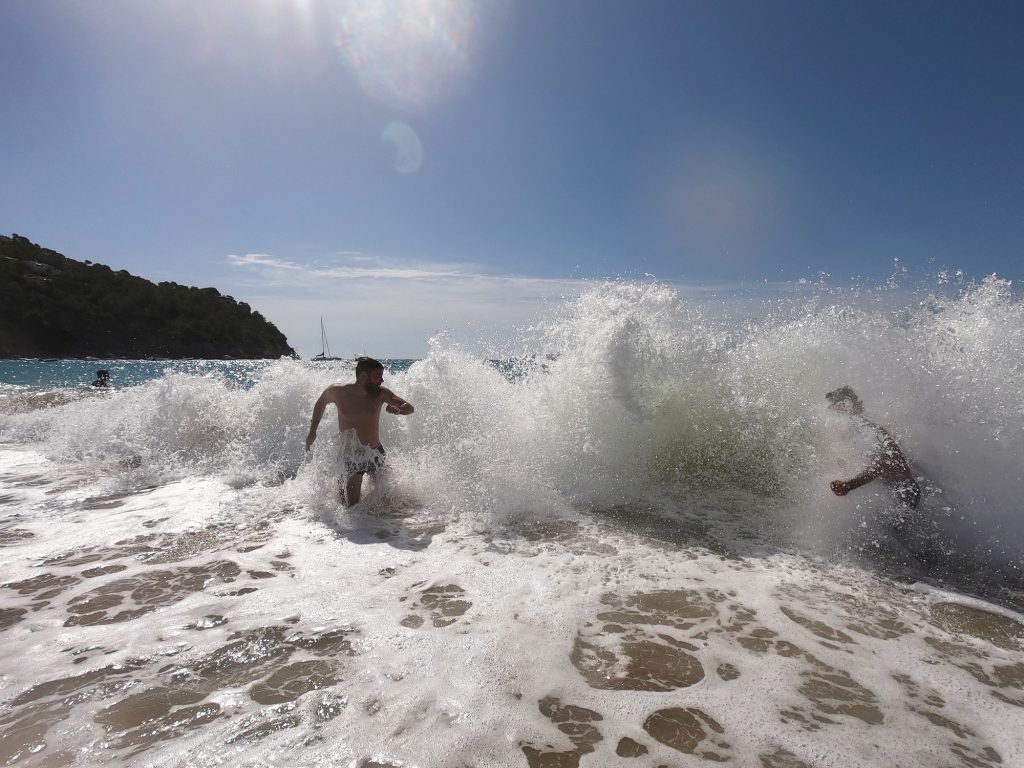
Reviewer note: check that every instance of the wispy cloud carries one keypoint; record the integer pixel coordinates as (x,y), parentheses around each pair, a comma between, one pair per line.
(359,266)
(261,260)
(278,273)
(349,271)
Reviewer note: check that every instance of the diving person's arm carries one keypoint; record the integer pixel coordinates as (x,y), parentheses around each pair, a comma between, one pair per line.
(843,487)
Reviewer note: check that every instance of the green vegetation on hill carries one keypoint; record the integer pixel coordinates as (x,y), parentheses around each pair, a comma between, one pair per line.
(53,306)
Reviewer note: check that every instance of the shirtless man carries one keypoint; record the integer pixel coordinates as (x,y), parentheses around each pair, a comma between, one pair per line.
(885,461)
(359,407)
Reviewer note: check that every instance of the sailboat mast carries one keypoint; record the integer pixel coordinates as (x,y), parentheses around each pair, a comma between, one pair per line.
(325,349)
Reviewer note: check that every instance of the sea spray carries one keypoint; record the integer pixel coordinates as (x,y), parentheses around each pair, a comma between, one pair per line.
(628,396)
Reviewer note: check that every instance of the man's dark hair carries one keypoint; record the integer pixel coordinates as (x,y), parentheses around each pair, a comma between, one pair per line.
(846,393)
(368,364)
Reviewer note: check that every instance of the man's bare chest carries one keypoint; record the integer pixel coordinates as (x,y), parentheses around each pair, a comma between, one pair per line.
(359,408)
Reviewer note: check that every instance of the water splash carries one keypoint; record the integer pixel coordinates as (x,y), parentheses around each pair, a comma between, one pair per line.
(631,396)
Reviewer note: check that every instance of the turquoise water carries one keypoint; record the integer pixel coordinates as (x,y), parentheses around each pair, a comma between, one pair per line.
(46,375)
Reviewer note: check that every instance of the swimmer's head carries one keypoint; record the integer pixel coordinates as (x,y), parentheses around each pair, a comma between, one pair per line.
(845,399)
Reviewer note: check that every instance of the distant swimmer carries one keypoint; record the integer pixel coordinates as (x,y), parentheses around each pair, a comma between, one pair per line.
(102,378)
(885,461)
(359,407)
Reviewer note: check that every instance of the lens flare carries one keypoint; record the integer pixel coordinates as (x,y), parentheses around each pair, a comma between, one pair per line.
(408,150)
(409,53)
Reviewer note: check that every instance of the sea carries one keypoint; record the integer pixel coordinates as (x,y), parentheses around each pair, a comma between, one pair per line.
(607,540)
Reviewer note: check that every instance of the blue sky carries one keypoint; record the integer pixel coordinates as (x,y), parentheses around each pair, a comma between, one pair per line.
(401,168)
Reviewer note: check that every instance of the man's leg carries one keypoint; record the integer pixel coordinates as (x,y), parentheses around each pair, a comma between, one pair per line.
(353,489)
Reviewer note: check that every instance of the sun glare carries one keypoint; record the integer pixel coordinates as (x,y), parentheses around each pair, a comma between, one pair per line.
(409,53)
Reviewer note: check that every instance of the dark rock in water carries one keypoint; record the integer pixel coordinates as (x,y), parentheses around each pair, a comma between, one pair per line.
(55,307)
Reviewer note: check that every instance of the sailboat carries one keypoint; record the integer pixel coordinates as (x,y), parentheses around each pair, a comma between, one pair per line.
(325,348)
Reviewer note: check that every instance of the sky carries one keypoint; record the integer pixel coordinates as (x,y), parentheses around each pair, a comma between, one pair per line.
(406,168)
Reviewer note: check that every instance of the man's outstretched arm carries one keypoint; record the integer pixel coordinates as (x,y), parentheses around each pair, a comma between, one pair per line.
(318,413)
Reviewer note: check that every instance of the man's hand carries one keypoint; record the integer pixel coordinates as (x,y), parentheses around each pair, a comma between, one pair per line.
(839,488)
(309,440)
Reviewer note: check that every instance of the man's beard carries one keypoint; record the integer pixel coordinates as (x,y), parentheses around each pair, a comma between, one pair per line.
(372,389)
